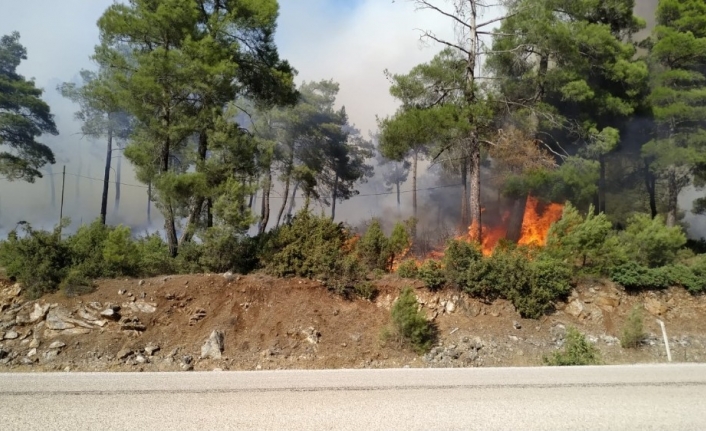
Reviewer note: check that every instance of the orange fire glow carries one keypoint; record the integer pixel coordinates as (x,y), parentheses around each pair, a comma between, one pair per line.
(536,224)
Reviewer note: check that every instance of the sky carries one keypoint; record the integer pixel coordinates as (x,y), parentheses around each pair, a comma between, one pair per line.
(349,41)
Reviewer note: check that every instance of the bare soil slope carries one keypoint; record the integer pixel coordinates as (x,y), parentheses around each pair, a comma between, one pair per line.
(267,323)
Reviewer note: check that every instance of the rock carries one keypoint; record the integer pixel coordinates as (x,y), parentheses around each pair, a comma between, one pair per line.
(228,276)
(558,332)
(4,353)
(100,323)
(144,307)
(655,306)
(55,320)
(87,315)
(312,335)
(450,307)
(574,308)
(516,324)
(607,303)
(213,347)
(38,312)
(57,345)
(11,335)
(51,354)
(121,292)
(31,353)
(22,319)
(140,359)
(187,367)
(76,331)
(150,349)
(131,324)
(124,353)
(110,314)
(199,314)
(27,361)
(187,359)
(141,283)
(34,343)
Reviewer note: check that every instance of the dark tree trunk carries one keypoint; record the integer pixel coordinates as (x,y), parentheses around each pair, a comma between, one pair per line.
(517,215)
(149,203)
(474,199)
(106,175)
(118,169)
(601,185)
(334,198)
(169,219)
(209,213)
(414,194)
(292,201)
(265,211)
(197,208)
(672,198)
(287,181)
(464,195)
(651,184)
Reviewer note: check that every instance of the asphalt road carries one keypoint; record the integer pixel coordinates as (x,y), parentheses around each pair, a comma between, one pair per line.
(657,397)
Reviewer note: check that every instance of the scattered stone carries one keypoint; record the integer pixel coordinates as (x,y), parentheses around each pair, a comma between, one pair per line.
(141,283)
(57,345)
(38,312)
(27,361)
(228,276)
(574,308)
(4,353)
(150,349)
(450,307)
(516,324)
(187,367)
(124,353)
(87,315)
(34,343)
(169,296)
(76,331)
(55,320)
(199,314)
(51,354)
(100,323)
(31,353)
(144,307)
(213,347)
(187,359)
(312,335)
(140,359)
(121,292)
(11,335)
(131,324)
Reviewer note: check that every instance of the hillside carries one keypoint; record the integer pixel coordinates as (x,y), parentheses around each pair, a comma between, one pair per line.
(162,323)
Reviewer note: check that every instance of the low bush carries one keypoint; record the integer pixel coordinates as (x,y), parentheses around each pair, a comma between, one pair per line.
(650,242)
(366,290)
(407,269)
(411,324)
(576,351)
(432,274)
(633,331)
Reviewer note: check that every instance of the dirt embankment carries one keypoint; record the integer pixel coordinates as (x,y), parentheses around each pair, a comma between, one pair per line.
(204,322)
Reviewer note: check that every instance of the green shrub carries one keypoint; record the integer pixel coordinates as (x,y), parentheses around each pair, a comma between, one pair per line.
(411,324)
(633,275)
(432,274)
(577,351)
(399,241)
(366,290)
(374,248)
(38,259)
(586,242)
(86,249)
(549,280)
(407,269)
(154,256)
(76,283)
(650,242)
(309,247)
(466,268)
(120,253)
(224,249)
(633,332)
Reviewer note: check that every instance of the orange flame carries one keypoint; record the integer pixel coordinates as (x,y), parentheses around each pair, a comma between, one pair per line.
(536,224)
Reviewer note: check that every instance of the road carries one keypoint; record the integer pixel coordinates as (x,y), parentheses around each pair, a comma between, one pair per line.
(644,397)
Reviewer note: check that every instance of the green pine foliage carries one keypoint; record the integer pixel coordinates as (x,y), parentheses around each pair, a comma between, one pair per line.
(432,274)
(408,269)
(577,350)
(410,323)
(633,332)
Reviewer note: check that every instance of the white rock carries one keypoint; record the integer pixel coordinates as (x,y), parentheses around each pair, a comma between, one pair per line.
(39,312)
(57,345)
(11,335)
(34,343)
(55,320)
(213,347)
(574,308)
(450,307)
(140,359)
(31,353)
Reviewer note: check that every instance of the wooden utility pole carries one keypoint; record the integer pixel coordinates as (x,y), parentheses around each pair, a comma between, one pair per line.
(61,208)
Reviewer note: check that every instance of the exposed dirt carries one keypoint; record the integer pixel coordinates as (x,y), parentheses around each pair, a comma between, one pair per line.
(273,323)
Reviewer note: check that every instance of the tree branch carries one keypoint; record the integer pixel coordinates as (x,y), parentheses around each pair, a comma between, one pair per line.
(443,42)
(426,5)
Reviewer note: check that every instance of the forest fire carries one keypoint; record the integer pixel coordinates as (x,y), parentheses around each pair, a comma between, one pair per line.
(536,224)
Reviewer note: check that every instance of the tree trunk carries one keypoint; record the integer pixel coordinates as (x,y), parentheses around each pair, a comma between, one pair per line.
(265,211)
(672,198)
(517,215)
(118,169)
(601,185)
(106,175)
(334,197)
(476,222)
(149,203)
(464,195)
(169,222)
(253,195)
(292,201)
(197,208)
(209,212)
(651,184)
(287,180)
(414,194)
